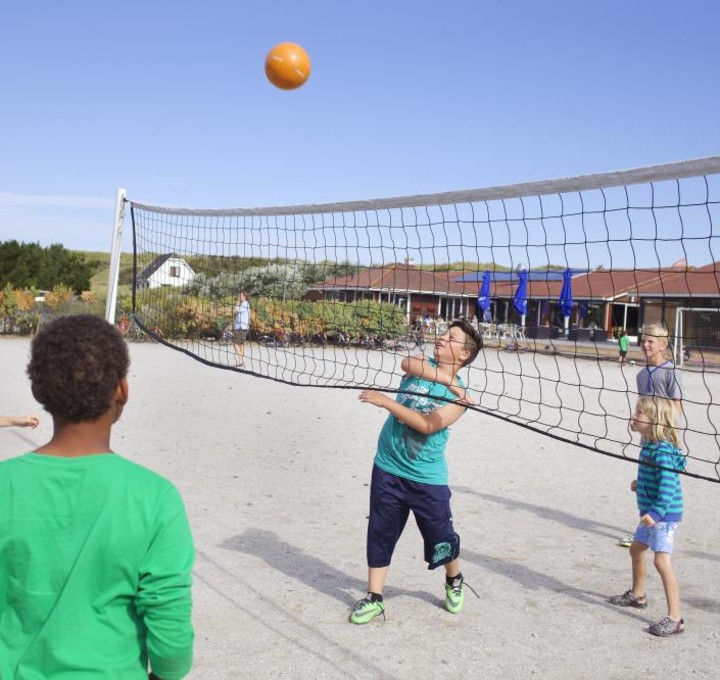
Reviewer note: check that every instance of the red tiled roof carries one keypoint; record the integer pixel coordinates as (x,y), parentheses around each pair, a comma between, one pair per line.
(601,284)
(608,284)
(397,277)
(701,282)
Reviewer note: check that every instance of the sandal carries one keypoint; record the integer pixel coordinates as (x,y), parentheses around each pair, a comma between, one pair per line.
(667,627)
(629,599)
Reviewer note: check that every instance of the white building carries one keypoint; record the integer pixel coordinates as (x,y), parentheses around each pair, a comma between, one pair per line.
(166,270)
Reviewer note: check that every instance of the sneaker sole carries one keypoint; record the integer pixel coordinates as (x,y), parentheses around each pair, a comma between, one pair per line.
(365,619)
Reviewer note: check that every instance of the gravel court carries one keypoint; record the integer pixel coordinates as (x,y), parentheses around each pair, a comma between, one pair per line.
(275,482)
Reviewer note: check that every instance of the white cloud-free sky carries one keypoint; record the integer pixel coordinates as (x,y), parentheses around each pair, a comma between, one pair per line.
(169,100)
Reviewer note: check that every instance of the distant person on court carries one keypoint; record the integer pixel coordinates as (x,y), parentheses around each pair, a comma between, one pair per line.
(593,328)
(19,421)
(95,550)
(623,345)
(410,471)
(660,506)
(660,377)
(241,326)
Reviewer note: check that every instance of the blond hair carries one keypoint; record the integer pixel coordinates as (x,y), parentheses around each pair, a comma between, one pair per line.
(661,414)
(656,330)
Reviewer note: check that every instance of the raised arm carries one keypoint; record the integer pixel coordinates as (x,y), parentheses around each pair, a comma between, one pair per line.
(425,423)
(421,367)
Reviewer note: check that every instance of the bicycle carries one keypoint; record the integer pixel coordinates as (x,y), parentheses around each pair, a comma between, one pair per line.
(134,333)
(412,342)
(137,334)
(272,341)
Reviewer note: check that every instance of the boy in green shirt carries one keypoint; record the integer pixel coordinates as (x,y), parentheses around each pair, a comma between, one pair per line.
(95,551)
(623,346)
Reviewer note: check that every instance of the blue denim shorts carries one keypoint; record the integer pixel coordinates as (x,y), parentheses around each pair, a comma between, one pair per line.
(660,537)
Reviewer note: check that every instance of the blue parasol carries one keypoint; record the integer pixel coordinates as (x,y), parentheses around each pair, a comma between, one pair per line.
(566,298)
(483,298)
(520,299)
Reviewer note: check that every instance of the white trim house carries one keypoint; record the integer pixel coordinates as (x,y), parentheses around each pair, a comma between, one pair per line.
(166,270)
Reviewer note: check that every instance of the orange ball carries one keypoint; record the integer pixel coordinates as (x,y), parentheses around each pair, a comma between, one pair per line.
(287,66)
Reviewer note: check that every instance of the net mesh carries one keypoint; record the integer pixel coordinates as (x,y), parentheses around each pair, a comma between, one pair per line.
(550,273)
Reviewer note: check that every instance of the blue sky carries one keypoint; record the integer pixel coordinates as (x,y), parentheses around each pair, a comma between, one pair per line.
(170,100)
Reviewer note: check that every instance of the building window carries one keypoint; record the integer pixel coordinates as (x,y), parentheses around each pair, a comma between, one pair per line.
(175,272)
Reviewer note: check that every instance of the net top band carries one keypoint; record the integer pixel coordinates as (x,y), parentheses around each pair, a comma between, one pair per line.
(654,173)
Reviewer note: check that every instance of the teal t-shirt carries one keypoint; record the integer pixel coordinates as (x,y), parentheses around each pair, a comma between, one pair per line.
(407,453)
(95,562)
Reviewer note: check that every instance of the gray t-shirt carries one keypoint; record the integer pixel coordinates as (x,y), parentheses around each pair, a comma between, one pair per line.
(660,381)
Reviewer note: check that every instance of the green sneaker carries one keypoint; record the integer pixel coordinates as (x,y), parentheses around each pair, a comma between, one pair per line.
(455,595)
(366,610)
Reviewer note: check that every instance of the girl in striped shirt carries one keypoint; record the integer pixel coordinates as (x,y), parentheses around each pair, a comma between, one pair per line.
(660,506)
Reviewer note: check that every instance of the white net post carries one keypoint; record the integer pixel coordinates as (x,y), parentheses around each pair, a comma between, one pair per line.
(115,252)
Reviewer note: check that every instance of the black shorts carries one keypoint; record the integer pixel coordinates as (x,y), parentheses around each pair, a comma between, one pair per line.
(391,499)
(239,336)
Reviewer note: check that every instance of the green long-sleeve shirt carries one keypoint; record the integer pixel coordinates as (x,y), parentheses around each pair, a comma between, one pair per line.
(95,562)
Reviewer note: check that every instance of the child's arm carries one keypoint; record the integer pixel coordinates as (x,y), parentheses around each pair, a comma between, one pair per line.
(425,423)
(675,390)
(19,421)
(667,486)
(163,599)
(420,367)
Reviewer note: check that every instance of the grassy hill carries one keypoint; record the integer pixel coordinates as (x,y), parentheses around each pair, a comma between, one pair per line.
(101,263)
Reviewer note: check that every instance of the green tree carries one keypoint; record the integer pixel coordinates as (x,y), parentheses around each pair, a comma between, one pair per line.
(20,264)
(28,265)
(64,267)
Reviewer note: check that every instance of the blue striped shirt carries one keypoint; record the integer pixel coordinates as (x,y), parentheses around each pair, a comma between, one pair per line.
(659,493)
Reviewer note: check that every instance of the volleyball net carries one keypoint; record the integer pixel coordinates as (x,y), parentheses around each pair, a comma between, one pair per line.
(551,273)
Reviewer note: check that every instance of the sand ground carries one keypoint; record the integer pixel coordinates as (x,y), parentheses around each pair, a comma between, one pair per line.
(275,479)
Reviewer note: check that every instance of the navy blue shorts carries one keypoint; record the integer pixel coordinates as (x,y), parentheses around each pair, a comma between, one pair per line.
(391,499)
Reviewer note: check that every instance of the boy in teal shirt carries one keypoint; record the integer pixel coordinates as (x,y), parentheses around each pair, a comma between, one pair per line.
(95,551)
(410,471)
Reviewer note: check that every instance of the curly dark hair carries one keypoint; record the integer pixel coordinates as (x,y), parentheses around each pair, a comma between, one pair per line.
(76,362)
(473,340)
